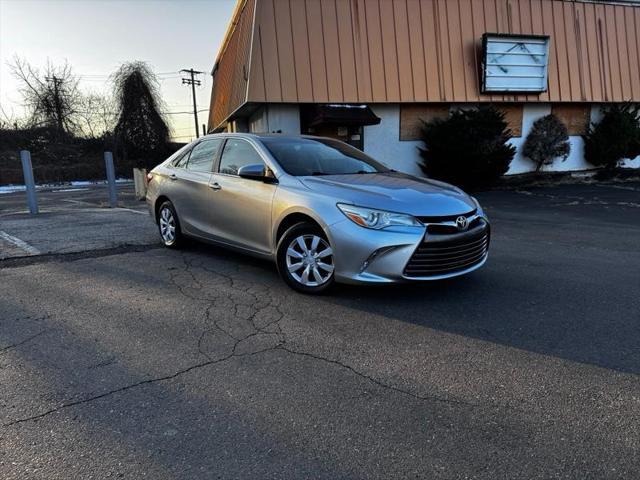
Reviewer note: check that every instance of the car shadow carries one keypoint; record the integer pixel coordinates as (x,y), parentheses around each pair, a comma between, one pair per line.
(508,302)
(499,307)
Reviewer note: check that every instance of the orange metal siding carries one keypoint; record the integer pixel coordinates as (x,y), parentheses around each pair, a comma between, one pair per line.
(231,73)
(369,51)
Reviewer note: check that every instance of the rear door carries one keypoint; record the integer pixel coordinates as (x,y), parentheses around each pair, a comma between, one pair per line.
(191,188)
(242,207)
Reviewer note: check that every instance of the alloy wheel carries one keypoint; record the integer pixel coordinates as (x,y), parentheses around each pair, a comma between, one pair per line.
(167,226)
(309,259)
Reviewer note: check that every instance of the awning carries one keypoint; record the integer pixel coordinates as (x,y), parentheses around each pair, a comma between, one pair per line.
(340,115)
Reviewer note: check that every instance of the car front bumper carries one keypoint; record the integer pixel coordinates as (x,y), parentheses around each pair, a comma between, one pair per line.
(389,255)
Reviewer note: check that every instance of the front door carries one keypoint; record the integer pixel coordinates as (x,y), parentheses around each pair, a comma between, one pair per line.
(241,207)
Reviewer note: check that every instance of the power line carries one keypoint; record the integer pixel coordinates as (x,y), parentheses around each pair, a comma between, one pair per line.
(102,75)
(181,113)
(108,79)
(164,113)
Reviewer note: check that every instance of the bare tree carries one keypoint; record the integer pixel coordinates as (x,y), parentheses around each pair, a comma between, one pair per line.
(141,130)
(96,116)
(52,96)
(9,121)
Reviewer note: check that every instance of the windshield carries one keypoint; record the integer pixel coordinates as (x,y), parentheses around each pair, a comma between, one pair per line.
(319,156)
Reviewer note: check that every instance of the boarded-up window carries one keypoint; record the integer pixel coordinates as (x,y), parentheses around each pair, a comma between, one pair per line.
(412,115)
(513,117)
(576,116)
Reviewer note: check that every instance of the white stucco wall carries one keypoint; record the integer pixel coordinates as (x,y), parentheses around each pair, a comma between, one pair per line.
(574,162)
(382,142)
(276,118)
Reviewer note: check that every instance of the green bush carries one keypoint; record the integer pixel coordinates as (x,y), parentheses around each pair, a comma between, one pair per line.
(614,138)
(468,149)
(547,140)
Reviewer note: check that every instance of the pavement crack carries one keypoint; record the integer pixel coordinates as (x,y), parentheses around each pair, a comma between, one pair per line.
(5,349)
(254,313)
(243,303)
(117,390)
(131,386)
(104,363)
(432,398)
(257,305)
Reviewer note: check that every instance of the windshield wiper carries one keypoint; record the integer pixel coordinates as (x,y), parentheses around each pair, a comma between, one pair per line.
(359,172)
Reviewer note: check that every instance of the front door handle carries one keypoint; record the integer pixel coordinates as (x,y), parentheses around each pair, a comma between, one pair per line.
(215,186)
(173,176)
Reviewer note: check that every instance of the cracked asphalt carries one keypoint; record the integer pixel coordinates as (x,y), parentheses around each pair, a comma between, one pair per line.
(140,362)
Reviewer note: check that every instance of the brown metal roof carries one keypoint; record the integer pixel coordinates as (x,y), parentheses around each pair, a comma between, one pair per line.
(369,51)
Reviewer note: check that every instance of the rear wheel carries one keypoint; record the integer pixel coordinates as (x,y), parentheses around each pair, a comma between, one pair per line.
(305,258)
(169,226)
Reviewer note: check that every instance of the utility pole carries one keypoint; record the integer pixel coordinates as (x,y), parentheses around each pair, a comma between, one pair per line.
(56,99)
(193,82)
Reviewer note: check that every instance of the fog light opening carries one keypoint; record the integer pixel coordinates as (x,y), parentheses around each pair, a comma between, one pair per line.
(377,253)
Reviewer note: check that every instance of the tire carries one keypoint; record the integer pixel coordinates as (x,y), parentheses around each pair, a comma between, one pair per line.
(305,259)
(169,226)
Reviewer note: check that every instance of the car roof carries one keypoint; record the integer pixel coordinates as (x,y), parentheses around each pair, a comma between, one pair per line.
(261,135)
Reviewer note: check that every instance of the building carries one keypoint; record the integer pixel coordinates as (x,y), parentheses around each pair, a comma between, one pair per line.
(367,71)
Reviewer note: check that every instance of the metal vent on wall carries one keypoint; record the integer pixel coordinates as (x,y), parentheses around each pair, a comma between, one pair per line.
(514,63)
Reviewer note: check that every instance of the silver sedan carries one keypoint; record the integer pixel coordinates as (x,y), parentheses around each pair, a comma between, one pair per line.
(322,210)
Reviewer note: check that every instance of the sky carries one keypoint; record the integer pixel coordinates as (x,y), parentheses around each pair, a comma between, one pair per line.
(96,36)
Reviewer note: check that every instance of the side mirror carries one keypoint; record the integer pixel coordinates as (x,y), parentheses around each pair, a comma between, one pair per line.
(256,171)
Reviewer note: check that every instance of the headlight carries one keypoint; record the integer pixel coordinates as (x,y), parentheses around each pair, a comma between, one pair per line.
(377,219)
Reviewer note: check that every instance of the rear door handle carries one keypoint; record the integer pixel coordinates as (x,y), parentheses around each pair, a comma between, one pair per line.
(215,186)
(173,176)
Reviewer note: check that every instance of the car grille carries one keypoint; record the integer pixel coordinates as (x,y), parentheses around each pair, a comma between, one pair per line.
(443,252)
(447,218)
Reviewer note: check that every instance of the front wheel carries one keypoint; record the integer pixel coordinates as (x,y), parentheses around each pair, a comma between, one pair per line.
(305,259)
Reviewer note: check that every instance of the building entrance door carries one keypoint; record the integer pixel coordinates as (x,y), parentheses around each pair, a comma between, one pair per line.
(352,135)
(340,121)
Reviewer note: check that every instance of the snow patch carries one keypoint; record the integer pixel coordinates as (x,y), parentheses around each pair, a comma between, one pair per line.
(74,183)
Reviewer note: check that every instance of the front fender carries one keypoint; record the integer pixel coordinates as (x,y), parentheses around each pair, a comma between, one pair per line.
(319,208)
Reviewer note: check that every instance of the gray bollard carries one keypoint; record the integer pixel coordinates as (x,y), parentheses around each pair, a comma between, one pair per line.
(27,170)
(111,179)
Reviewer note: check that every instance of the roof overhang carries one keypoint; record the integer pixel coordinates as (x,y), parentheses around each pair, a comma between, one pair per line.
(243,111)
(237,10)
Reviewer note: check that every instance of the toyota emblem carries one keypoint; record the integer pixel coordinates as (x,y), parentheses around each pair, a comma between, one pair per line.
(461,223)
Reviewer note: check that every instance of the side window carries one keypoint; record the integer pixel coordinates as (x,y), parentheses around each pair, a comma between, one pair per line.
(181,160)
(203,154)
(236,154)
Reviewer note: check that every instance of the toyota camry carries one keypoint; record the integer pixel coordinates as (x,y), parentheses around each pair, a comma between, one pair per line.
(322,210)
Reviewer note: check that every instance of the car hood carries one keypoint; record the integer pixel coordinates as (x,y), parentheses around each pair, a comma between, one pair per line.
(393,191)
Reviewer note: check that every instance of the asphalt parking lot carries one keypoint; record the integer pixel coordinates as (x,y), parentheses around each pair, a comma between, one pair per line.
(126,360)
(73,219)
